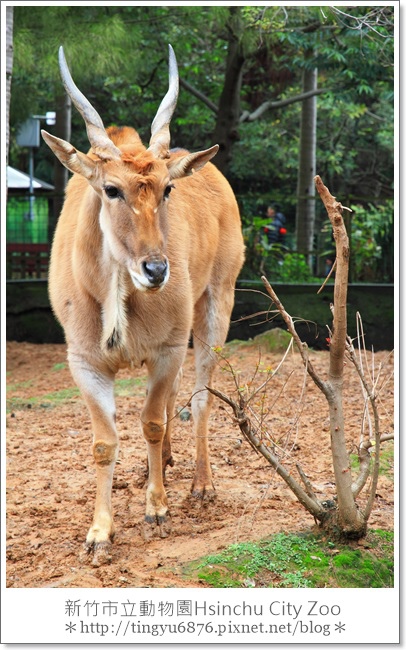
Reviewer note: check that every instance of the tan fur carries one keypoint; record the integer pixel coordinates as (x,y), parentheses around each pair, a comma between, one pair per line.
(110,323)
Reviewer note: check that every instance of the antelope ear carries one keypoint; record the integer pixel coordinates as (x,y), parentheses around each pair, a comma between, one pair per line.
(191,162)
(72,159)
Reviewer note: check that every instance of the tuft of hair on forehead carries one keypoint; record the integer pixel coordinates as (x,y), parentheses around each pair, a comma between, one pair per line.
(142,162)
(149,174)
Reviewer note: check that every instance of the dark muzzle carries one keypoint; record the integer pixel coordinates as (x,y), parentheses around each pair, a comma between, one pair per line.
(155,272)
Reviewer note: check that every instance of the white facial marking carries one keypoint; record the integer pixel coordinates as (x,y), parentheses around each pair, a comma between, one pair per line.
(142,283)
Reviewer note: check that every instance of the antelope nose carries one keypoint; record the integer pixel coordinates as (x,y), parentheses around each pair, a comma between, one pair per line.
(156,272)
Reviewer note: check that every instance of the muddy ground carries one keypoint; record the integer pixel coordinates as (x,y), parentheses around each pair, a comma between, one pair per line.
(50,471)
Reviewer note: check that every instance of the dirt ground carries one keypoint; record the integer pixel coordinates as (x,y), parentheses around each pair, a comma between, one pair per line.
(51,476)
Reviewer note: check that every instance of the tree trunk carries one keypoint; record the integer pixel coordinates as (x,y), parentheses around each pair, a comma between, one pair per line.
(9,70)
(305,210)
(61,174)
(228,115)
(351,521)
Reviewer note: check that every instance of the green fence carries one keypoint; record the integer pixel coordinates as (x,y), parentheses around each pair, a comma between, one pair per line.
(25,225)
(27,248)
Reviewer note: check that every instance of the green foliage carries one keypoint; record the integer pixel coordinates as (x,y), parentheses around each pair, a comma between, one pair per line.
(371,234)
(274,260)
(356,569)
(94,39)
(290,267)
(118,57)
(371,241)
(300,561)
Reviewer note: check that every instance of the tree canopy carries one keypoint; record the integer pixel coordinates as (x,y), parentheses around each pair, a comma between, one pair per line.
(241,86)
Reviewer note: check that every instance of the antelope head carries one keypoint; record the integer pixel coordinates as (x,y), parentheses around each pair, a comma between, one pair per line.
(133,183)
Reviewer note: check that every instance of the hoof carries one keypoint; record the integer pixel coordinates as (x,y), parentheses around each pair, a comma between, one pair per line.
(157,526)
(96,553)
(167,461)
(205,493)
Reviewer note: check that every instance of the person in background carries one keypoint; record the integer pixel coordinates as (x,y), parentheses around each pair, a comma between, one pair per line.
(275,230)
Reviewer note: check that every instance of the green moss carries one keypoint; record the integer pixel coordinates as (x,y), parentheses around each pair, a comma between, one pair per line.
(354,568)
(273,340)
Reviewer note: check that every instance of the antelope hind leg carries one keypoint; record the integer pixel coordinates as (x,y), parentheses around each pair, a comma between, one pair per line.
(210,327)
(167,458)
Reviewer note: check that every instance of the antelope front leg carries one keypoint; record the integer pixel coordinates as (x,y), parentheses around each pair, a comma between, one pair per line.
(98,392)
(162,388)
(157,522)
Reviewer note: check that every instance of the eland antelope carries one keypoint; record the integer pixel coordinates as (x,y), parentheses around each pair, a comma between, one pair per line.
(147,249)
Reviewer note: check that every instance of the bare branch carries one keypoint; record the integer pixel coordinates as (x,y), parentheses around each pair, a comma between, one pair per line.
(306,483)
(338,340)
(246,116)
(273,374)
(197,93)
(328,277)
(364,447)
(387,436)
(377,17)
(301,346)
(364,470)
(269,105)
(250,434)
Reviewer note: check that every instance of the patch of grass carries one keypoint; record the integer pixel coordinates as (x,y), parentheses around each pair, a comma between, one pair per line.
(299,561)
(51,400)
(21,385)
(129,387)
(63,395)
(58,366)
(123,388)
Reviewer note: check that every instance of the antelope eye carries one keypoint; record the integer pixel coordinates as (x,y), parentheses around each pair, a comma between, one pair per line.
(113,192)
(167,191)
